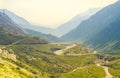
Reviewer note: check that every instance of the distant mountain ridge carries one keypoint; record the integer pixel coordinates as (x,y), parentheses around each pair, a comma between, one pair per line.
(18,20)
(90,27)
(61,30)
(31,29)
(74,22)
(99,31)
(24,23)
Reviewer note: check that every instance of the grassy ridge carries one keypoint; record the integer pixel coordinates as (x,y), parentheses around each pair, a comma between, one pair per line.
(32,40)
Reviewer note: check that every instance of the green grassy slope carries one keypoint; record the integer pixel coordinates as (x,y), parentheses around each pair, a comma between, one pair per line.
(11,67)
(41,58)
(91,71)
(39,61)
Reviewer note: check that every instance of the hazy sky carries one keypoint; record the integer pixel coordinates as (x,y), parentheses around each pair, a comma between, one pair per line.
(51,12)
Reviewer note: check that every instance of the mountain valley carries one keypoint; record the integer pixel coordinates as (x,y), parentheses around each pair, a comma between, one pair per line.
(84,47)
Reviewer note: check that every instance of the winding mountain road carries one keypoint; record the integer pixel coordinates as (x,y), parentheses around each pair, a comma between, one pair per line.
(59,52)
(18,41)
(108,75)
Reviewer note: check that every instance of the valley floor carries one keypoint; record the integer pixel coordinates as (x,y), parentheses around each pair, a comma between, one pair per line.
(55,61)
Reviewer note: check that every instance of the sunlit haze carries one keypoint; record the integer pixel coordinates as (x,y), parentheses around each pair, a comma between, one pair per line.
(51,13)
